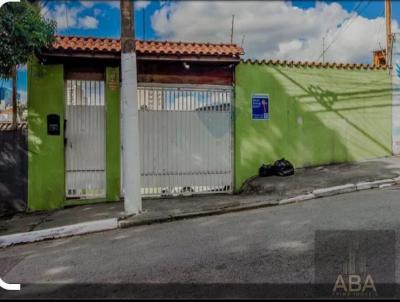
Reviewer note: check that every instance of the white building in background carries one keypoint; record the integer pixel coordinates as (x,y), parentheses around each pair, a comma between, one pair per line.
(6,115)
(24,115)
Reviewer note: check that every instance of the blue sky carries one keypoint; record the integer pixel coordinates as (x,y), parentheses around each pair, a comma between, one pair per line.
(108,15)
(181,20)
(109,19)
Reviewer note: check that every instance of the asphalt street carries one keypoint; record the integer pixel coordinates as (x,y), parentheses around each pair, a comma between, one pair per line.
(258,253)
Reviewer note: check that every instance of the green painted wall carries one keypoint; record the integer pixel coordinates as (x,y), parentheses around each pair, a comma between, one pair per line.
(113,154)
(317,116)
(46,169)
(46,181)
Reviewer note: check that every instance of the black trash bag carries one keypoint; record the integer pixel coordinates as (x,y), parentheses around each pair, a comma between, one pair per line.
(283,167)
(266,170)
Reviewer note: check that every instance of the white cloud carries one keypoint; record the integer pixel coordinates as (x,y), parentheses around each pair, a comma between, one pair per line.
(88,3)
(70,17)
(275,29)
(66,17)
(80,14)
(138,4)
(113,3)
(88,22)
(141,4)
(91,3)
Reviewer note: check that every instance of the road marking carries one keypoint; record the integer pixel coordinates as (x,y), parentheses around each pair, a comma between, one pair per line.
(60,232)
(8,286)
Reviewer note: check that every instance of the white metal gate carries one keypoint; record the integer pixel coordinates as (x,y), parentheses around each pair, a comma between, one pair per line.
(85,139)
(185,139)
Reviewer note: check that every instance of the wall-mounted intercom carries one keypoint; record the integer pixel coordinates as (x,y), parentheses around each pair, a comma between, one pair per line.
(53,124)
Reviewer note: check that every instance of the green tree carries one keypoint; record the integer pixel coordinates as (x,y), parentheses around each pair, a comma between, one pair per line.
(23,33)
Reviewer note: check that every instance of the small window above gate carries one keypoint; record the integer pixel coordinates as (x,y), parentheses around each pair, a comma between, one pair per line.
(84,93)
(152,98)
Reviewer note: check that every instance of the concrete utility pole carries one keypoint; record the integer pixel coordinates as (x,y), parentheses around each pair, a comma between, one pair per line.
(130,116)
(388,16)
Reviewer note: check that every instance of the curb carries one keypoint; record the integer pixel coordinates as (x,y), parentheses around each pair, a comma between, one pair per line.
(297,199)
(59,232)
(318,193)
(115,223)
(334,190)
(126,223)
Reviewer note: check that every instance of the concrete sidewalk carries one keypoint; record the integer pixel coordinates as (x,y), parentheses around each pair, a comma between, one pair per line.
(259,192)
(308,179)
(154,209)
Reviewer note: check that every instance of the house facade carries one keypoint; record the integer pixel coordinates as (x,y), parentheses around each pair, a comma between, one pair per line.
(185,101)
(197,131)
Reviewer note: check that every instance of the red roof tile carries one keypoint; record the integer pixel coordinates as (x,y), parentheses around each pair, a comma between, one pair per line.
(314,64)
(69,43)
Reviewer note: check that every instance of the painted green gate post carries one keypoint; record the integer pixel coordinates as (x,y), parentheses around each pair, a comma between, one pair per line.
(46,170)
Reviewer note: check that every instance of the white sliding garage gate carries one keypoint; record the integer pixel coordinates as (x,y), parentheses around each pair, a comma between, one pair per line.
(185,139)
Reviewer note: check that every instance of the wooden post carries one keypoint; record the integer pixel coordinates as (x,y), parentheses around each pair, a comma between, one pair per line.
(388,16)
(130,115)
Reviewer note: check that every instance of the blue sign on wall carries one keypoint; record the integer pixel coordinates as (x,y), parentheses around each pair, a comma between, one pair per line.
(260,107)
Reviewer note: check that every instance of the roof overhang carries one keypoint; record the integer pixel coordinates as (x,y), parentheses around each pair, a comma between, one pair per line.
(142,57)
(149,50)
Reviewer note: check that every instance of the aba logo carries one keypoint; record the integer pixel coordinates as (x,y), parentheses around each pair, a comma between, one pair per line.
(5,1)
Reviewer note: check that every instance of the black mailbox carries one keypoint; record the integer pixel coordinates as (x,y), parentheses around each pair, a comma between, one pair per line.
(53,124)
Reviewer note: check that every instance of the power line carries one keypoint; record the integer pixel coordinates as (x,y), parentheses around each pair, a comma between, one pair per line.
(343,29)
(380,29)
(241,45)
(355,8)
(44,5)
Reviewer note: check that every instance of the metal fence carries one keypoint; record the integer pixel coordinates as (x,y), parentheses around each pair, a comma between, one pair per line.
(185,139)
